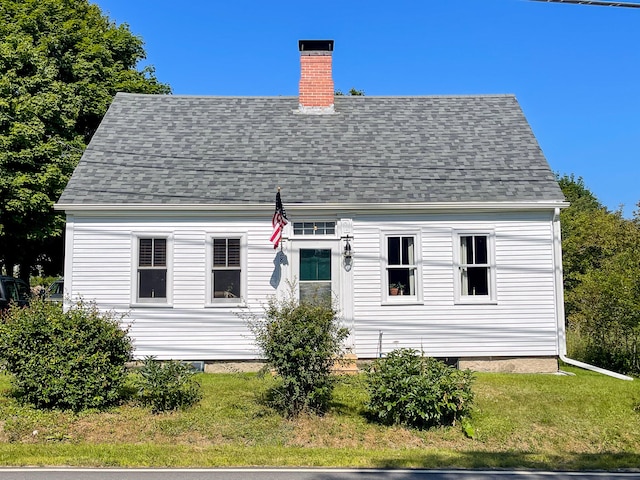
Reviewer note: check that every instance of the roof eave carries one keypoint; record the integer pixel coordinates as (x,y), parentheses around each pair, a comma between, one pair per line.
(71,208)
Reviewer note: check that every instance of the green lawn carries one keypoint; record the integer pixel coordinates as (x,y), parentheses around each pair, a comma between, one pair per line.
(587,421)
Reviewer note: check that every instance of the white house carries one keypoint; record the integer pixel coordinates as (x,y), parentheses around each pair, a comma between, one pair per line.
(169,218)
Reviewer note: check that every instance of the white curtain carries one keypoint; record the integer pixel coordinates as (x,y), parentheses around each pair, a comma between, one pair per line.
(464,280)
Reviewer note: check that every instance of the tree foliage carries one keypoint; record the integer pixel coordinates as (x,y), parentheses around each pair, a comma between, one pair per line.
(61,63)
(354,92)
(601,260)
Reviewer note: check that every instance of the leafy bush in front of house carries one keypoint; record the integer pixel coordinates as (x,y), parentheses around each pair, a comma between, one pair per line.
(407,388)
(300,341)
(167,385)
(72,360)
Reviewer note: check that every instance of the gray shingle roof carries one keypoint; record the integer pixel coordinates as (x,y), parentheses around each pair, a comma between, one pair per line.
(233,150)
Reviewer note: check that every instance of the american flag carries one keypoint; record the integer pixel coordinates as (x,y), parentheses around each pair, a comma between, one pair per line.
(278,222)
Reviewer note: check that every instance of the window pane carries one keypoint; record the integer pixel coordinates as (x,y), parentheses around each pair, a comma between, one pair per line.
(226,284)
(404,279)
(481,250)
(478,281)
(152,283)
(160,252)
(145,252)
(466,250)
(393,250)
(314,228)
(23,291)
(407,251)
(219,252)
(12,290)
(315,264)
(316,292)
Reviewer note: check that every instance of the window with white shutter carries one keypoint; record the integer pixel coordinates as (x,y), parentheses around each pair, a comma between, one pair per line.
(152,270)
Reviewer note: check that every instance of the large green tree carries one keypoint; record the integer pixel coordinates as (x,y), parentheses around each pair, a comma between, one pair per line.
(61,63)
(601,260)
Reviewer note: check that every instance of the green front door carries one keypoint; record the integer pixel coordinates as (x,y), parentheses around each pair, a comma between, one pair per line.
(315,274)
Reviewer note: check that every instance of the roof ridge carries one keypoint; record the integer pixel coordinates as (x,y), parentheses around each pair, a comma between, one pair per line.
(342,97)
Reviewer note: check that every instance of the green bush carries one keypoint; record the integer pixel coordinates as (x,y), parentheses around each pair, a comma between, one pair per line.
(606,313)
(166,386)
(72,359)
(43,282)
(300,341)
(407,388)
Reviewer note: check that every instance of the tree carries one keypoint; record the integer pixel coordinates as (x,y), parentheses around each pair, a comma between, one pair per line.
(601,258)
(576,192)
(590,234)
(61,63)
(353,92)
(606,312)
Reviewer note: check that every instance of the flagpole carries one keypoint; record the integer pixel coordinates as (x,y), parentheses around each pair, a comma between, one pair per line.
(281,249)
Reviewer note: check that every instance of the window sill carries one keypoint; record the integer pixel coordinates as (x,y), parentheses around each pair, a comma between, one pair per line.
(402,300)
(150,305)
(475,301)
(226,305)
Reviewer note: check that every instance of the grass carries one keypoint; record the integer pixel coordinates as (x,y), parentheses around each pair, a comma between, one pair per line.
(582,422)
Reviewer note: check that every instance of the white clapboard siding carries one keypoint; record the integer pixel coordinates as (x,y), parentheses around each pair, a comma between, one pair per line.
(102,270)
(189,268)
(522,321)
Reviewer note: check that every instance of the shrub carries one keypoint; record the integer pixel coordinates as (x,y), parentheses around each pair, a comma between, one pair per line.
(410,389)
(606,313)
(69,360)
(166,386)
(300,341)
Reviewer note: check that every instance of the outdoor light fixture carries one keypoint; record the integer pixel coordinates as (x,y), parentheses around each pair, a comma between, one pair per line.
(347,253)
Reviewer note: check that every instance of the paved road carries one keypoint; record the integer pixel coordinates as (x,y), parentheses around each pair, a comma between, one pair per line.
(296,474)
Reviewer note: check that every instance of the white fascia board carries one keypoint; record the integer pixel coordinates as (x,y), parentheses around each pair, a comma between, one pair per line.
(251,209)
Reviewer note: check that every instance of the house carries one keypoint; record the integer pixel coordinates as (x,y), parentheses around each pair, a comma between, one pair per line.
(432,221)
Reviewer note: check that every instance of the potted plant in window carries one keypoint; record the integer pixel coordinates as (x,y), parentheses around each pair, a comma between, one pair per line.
(396,288)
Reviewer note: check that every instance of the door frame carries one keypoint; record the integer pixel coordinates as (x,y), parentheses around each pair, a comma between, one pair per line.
(332,244)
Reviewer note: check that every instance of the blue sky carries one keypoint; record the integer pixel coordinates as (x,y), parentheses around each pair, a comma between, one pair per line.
(575,69)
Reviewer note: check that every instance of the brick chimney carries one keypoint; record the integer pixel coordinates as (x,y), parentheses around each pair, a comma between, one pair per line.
(316,82)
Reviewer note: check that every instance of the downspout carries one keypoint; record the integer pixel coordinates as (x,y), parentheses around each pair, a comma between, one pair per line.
(562,334)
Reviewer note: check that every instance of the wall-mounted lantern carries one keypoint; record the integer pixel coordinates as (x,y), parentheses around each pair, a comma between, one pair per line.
(347,253)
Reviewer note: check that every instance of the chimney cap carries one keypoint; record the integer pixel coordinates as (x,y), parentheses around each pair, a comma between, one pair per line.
(315,45)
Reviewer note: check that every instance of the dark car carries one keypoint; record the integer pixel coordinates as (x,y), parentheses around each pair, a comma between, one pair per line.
(55,292)
(13,290)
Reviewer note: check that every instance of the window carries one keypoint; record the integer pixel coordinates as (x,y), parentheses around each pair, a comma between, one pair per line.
(152,270)
(314,228)
(226,271)
(401,268)
(315,275)
(475,272)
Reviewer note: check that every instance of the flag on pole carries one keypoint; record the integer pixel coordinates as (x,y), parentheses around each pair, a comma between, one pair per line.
(278,221)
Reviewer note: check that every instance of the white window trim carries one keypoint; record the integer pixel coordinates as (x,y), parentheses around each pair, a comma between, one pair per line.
(386,297)
(135,248)
(460,299)
(228,302)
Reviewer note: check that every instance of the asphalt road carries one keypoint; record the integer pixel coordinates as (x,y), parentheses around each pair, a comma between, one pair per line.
(297,474)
